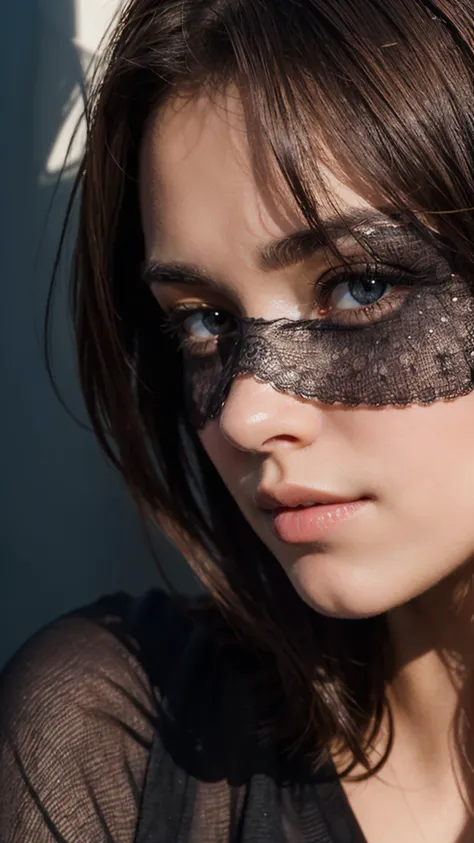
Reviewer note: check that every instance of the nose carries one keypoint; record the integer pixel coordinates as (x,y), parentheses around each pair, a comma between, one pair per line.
(258,418)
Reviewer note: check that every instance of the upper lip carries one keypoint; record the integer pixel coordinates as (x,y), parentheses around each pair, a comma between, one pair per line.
(289,497)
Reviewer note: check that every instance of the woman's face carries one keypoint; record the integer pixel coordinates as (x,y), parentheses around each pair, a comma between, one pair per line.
(411,469)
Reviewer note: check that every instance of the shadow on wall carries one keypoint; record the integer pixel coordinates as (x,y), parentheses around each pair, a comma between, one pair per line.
(68,529)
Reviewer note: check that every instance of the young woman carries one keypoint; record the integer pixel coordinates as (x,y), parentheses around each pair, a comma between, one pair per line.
(274,306)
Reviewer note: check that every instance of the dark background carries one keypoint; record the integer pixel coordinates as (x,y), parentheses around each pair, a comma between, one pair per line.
(68,530)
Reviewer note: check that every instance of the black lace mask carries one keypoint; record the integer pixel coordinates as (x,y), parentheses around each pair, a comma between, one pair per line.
(421,352)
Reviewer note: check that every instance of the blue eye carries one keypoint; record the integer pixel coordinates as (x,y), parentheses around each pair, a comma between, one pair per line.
(359,291)
(207,324)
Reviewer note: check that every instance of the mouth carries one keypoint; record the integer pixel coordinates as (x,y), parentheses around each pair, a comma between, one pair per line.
(307,524)
(306,516)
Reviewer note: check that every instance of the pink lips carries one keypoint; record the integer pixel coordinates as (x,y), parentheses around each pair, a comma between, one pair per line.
(302,514)
(313,523)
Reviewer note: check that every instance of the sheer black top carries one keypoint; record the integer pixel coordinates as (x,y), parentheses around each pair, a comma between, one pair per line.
(125,721)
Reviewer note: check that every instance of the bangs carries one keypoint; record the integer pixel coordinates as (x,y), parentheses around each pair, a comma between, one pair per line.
(381,94)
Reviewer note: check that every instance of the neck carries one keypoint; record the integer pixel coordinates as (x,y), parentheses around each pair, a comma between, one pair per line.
(431,695)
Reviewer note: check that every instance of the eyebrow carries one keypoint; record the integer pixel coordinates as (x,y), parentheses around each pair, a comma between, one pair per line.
(280,253)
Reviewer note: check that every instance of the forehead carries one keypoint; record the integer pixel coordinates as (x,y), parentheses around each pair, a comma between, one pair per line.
(198,187)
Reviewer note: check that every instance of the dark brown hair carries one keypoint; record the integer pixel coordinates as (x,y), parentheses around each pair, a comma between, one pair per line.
(388,89)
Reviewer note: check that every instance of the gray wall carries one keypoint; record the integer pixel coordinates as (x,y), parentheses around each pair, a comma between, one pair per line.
(68,531)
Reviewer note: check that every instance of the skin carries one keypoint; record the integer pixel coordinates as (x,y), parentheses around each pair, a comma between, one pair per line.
(409,552)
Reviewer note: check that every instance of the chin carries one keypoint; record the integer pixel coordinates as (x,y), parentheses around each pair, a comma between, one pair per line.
(337,606)
(349,593)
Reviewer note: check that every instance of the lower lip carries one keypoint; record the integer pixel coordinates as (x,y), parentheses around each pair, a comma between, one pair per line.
(313,523)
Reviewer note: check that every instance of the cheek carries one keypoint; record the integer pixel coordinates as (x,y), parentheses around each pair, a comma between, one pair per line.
(236,467)
(419,447)
(410,457)
(226,458)
(210,440)
(420,463)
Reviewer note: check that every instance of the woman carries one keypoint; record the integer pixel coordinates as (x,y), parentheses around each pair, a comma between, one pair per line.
(273,296)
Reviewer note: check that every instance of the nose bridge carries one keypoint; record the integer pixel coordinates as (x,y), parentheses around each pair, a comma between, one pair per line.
(257,417)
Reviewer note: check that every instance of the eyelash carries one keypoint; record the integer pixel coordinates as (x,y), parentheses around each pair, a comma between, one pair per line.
(399,278)
(173,321)
(172,325)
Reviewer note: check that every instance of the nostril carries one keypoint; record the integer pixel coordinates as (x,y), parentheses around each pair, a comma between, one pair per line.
(283,438)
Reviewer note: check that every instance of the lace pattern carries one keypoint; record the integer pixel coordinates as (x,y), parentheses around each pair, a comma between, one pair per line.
(423,353)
